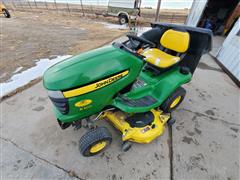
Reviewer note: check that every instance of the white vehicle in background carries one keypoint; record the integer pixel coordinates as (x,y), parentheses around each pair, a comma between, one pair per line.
(125,10)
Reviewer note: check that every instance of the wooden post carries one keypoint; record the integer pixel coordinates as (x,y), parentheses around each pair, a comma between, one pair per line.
(35,4)
(172,18)
(21,5)
(14,6)
(91,9)
(56,5)
(82,7)
(5,4)
(158,10)
(29,5)
(46,5)
(68,8)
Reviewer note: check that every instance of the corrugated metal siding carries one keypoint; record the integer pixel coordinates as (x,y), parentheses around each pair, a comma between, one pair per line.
(229,54)
(195,14)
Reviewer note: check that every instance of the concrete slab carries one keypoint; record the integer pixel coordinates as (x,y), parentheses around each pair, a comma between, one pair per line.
(204,149)
(29,122)
(17,163)
(205,138)
(216,44)
(212,92)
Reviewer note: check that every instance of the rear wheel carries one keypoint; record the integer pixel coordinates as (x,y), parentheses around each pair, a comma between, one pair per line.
(174,100)
(6,13)
(123,19)
(95,141)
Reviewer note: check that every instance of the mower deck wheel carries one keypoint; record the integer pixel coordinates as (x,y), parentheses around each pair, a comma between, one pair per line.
(95,141)
(171,121)
(174,100)
(126,146)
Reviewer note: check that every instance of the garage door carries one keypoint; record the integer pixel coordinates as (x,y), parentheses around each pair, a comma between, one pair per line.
(196,11)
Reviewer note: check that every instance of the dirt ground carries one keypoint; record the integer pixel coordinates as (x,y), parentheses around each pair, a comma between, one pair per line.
(29,36)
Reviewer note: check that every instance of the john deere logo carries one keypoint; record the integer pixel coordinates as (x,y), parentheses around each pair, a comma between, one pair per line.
(108,81)
(83,103)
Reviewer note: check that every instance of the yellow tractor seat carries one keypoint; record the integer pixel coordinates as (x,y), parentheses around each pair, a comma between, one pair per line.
(159,58)
(173,41)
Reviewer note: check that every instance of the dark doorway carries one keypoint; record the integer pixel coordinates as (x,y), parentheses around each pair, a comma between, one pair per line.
(216,15)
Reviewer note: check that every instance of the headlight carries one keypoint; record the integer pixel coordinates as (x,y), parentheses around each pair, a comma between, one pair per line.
(59,101)
(55,94)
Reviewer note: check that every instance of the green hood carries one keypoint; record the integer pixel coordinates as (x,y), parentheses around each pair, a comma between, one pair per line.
(88,67)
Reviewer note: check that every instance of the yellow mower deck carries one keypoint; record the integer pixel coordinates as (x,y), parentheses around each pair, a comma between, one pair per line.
(140,135)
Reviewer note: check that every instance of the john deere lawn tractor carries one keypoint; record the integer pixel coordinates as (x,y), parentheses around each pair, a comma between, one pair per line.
(135,85)
(4,11)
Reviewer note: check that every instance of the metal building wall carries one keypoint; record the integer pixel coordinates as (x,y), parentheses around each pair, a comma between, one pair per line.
(195,14)
(229,53)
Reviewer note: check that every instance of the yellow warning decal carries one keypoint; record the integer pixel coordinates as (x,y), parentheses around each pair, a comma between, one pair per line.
(83,103)
(94,86)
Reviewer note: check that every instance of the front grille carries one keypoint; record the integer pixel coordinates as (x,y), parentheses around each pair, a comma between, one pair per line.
(61,104)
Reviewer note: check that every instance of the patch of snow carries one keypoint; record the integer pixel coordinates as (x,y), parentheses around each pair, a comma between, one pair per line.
(141,30)
(138,29)
(80,28)
(23,78)
(113,26)
(17,70)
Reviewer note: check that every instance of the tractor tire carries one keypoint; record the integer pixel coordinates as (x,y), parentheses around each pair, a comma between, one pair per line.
(123,19)
(174,100)
(6,13)
(95,141)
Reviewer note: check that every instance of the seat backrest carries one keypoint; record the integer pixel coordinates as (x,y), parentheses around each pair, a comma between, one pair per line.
(175,40)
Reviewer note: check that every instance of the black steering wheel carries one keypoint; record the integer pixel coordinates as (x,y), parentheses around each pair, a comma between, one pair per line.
(137,41)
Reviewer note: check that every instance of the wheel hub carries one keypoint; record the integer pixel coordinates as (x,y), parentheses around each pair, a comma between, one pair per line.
(175,102)
(98,147)
(123,21)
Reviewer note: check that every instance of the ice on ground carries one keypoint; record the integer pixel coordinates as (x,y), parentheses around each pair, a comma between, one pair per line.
(137,29)
(141,30)
(23,78)
(114,26)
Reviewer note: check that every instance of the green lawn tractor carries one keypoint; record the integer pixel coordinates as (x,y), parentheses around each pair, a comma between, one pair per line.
(135,85)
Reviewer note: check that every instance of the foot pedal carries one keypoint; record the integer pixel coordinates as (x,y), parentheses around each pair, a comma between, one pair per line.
(141,102)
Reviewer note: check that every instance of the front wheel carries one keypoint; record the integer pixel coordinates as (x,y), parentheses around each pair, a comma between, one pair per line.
(174,100)
(95,141)
(6,13)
